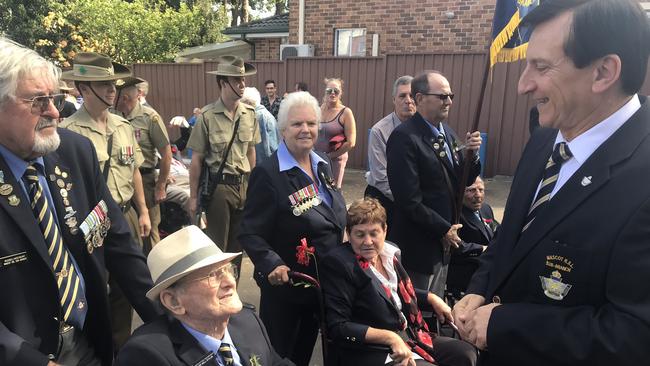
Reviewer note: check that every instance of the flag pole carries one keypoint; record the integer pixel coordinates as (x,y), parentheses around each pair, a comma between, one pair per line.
(460,191)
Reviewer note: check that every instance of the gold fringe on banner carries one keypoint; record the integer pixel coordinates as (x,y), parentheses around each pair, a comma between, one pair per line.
(502,38)
(512,54)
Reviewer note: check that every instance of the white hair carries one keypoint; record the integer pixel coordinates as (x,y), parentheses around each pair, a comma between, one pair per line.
(251,96)
(17,62)
(143,87)
(296,99)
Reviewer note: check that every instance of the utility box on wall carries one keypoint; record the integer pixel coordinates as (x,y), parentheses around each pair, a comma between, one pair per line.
(296,50)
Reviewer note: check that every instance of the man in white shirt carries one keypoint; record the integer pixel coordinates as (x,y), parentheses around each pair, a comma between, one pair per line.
(404,108)
(563,284)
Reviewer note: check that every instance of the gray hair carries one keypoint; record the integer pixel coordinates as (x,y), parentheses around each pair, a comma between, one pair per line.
(296,99)
(17,62)
(143,87)
(251,96)
(402,80)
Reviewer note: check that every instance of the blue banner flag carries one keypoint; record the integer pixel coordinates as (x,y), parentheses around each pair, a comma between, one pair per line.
(509,42)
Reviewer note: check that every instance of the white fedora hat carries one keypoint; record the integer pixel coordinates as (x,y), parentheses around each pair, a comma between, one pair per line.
(181,253)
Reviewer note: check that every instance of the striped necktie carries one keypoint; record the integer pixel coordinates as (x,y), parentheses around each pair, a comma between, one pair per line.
(226,354)
(71,294)
(561,153)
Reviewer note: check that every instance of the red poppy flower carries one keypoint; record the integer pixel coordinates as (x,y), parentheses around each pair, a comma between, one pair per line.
(487,221)
(303,251)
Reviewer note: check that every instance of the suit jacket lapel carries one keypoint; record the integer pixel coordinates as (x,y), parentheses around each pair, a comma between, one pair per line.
(22,213)
(377,285)
(429,140)
(189,349)
(242,343)
(475,222)
(69,219)
(616,149)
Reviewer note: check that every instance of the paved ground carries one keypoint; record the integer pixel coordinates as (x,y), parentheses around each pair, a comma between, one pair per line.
(354,184)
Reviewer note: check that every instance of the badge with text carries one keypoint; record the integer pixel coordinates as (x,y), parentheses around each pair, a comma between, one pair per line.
(12,259)
(95,226)
(553,285)
(304,199)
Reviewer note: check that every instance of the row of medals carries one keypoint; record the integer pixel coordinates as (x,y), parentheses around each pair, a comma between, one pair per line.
(95,226)
(304,199)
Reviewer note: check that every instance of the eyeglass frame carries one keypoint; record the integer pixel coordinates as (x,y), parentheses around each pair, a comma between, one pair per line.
(229,268)
(38,110)
(442,97)
(329,91)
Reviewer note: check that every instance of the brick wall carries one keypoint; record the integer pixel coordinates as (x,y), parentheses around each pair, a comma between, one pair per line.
(267,49)
(404,26)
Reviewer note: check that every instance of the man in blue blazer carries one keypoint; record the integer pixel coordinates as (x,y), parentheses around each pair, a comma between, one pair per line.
(60,230)
(565,282)
(424,165)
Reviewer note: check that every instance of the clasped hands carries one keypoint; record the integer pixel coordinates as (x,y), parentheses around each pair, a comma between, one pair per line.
(472,319)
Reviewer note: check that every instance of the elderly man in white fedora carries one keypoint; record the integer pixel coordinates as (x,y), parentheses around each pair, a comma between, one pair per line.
(206,322)
(223,143)
(119,156)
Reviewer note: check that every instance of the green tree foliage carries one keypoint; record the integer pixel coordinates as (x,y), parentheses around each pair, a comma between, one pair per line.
(129,32)
(20,20)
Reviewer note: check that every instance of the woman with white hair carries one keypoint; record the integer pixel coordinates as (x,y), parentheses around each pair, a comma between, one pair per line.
(294,213)
(268,125)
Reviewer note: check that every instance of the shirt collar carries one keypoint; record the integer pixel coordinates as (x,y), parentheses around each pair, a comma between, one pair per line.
(18,165)
(436,129)
(286,161)
(389,252)
(210,343)
(586,143)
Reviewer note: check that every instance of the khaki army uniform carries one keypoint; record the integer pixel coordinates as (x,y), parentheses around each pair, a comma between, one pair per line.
(125,158)
(151,134)
(210,137)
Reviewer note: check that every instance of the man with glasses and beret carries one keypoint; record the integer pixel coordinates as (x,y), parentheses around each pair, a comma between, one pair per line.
(205,321)
(424,164)
(224,139)
(61,231)
(151,133)
(118,152)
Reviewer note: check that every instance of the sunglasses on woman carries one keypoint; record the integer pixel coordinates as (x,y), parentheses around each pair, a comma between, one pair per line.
(334,91)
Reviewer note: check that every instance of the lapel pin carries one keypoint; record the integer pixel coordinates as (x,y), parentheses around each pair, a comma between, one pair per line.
(52,177)
(586,181)
(57,170)
(2,177)
(13,200)
(6,189)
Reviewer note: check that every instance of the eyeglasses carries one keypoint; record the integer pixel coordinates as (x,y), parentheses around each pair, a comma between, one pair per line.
(215,277)
(334,91)
(41,103)
(442,97)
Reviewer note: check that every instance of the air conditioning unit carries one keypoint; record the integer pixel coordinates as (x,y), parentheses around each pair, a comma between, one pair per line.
(296,50)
